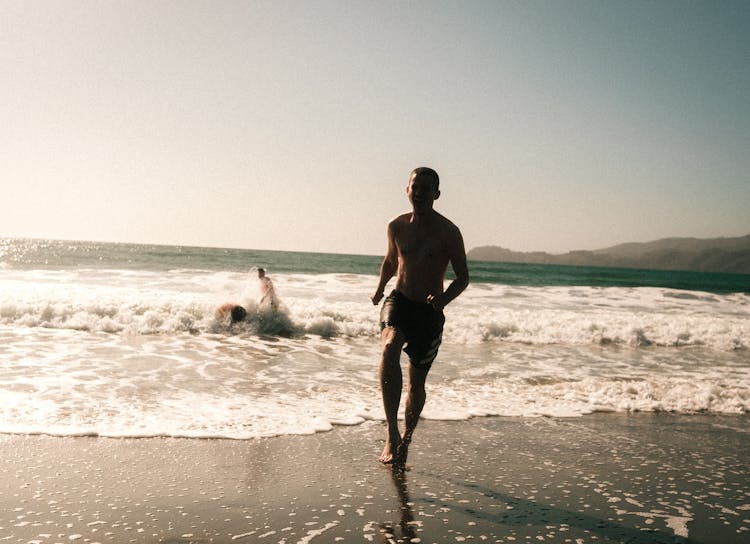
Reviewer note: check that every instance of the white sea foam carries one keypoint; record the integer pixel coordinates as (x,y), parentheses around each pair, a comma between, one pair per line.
(336,305)
(137,353)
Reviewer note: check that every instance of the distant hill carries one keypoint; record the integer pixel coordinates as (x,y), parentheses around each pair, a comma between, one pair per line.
(703,255)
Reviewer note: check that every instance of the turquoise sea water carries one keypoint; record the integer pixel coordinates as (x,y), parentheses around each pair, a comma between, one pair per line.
(64,254)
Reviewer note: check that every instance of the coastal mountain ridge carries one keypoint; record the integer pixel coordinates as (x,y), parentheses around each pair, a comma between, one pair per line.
(729,255)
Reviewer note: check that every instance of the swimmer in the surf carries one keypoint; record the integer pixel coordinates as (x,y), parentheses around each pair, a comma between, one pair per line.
(421,245)
(234,312)
(267,292)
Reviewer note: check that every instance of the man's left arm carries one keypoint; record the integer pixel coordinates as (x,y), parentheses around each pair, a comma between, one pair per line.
(457,259)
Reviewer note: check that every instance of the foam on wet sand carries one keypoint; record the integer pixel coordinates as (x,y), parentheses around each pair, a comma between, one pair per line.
(638,478)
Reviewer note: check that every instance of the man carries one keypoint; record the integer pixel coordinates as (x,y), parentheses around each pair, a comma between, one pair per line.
(234,312)
(420,246)
(267,293)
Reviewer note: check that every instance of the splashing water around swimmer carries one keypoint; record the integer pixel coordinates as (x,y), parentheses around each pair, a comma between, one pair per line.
(266,316)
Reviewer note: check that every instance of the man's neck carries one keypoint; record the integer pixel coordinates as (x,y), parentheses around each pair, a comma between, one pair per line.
(421,216)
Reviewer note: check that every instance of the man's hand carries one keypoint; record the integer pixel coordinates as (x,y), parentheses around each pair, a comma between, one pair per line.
(377,297)
(436,301)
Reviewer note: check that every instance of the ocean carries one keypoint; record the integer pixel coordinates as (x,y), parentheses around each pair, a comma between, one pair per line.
(122,340)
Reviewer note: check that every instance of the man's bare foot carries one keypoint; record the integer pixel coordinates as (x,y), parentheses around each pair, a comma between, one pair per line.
(390,451)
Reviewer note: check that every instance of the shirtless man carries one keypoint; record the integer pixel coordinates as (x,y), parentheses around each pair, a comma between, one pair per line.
(420,246)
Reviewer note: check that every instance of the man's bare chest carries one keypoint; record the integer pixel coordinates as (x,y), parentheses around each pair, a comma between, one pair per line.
(417,246)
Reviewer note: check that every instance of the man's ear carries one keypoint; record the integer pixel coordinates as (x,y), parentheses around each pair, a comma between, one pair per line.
(437,194)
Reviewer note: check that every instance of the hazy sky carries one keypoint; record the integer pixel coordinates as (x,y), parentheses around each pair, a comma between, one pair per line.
(554,125)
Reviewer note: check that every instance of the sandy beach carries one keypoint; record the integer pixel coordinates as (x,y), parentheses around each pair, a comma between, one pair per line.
(602,478)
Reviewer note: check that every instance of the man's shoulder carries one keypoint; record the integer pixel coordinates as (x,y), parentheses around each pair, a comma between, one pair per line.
(446,224)
(397,221)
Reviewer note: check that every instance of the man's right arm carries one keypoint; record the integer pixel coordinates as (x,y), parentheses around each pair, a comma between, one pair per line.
(388,268)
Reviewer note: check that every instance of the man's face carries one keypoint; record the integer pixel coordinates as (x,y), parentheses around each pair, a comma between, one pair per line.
(421,193)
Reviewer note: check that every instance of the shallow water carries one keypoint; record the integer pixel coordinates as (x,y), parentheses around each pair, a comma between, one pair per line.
(138,351)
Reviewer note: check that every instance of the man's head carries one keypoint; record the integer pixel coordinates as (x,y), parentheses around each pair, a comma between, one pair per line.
(261,272)
(423,189)
(238,313)
(427,173)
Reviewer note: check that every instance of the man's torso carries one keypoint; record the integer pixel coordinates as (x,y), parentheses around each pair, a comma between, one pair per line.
(423,257)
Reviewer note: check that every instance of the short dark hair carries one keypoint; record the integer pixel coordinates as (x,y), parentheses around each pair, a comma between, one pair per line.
(428,173)
(238,313)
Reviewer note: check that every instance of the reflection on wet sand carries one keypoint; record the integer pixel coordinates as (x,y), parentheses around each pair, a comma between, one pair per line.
(406,520)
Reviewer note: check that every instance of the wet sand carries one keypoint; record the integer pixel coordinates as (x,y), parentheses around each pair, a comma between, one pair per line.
(642,478)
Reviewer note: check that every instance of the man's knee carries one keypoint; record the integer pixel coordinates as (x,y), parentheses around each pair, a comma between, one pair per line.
(417,390)
(417,379)
(393,341)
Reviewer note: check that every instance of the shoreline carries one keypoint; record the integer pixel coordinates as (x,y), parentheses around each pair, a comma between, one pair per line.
(640,478)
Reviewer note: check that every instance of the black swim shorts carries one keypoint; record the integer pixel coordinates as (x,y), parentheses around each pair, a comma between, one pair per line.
(419,322)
